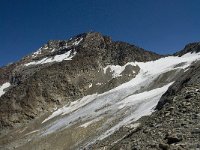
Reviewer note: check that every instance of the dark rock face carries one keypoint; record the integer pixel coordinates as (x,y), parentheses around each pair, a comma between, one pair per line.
(192,47)
(191,77)
(39,88)
(174,126)
(5,73)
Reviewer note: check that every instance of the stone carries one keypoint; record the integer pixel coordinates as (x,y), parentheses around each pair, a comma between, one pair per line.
(196,131)
(163,146)
(171,139)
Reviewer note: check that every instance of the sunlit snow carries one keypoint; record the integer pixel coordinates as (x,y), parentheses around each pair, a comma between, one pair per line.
(3,87)
(37,52)
(57,58)
(77,41)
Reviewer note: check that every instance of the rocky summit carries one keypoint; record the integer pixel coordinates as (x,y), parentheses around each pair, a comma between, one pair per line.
(90,92)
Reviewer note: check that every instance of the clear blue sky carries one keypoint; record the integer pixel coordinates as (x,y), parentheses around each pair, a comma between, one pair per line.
(163,26)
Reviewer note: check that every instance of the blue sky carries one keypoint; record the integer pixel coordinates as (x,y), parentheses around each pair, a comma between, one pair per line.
(162,26)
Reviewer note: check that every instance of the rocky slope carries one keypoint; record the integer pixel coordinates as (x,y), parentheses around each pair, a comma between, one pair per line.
(88,92)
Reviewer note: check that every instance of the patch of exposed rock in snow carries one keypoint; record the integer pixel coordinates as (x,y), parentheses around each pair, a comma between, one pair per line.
(85,125)
(3,87)
(116,70)
(57,58)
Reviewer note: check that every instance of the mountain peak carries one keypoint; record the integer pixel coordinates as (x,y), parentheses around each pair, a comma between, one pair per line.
(89,44)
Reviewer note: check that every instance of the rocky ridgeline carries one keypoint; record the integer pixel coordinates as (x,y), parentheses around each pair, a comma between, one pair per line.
(175,125)
(36,89)
(192,47)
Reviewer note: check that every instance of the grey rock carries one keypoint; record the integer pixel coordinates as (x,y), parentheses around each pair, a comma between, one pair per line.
(164,146)
(171,139)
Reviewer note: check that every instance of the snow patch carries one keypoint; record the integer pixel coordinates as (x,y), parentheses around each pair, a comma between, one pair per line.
(39,51)
(90,85)
(77,41)
(99,83)
(57,58)
(3,87)
(32,132)
(53,50)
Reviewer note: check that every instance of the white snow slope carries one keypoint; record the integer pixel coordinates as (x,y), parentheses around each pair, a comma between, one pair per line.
(119,106)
